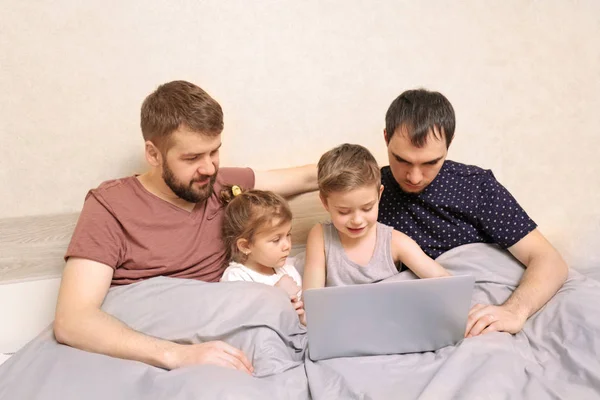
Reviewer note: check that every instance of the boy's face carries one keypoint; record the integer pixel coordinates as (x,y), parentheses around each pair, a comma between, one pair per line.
(354,213)
(271,247)
(414,168)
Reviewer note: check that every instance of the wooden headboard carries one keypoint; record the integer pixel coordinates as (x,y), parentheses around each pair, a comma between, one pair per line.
(33,247)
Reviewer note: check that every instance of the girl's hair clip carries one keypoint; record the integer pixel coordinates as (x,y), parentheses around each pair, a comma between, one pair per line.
(236,190)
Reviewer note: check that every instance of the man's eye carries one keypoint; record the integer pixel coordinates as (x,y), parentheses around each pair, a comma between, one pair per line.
(191,159)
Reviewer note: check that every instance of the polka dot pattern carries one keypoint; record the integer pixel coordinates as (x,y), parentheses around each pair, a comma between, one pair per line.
(464,204)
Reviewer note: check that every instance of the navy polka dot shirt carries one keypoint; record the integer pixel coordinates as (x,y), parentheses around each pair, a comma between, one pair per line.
(464,204)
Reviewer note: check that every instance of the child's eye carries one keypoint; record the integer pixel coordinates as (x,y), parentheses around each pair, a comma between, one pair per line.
(367,209)
(343,212)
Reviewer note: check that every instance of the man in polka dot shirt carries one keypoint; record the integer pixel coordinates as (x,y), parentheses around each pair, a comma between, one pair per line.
(443,204)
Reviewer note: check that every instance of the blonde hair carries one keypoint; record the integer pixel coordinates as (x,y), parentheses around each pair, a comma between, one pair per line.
(347,167)
(247,214)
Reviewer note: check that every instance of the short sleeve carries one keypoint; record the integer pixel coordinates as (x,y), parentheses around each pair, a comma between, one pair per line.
(234,274)
(499,214)
(243,177)
(98,236)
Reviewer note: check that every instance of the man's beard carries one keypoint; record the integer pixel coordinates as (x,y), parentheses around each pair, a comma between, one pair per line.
(187,192)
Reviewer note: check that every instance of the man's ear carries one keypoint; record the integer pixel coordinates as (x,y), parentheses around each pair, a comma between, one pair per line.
(243,246)
(385,136)
(324,201)
(153,155)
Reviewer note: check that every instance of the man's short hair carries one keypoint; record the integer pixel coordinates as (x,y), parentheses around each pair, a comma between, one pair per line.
(179,104)
(347,167)
(421,112)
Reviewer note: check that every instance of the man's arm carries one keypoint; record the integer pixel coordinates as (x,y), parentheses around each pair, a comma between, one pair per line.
(545,273)
(288,181)
(81,323)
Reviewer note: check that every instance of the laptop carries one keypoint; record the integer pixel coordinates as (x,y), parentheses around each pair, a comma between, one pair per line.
(387,317)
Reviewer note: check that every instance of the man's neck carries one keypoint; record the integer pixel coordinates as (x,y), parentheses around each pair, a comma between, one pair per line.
(153,183)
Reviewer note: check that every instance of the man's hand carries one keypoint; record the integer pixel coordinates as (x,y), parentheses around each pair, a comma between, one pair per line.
(487,318)
(82,324)
(216,353)
(288,284)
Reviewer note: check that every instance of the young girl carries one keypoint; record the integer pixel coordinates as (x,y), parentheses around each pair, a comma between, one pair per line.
(256,232)
(354,248)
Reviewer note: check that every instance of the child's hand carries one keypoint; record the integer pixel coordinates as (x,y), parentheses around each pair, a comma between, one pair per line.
(288,284)
(299,307)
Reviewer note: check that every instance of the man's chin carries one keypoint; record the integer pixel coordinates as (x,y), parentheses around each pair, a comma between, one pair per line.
(412,189)
(203,194)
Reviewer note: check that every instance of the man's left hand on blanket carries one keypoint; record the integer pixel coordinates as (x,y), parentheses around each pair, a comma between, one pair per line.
(487,318)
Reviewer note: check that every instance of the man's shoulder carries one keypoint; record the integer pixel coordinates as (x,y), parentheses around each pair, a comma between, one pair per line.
(236,176)
(113,185)
(109,196)
(458,169)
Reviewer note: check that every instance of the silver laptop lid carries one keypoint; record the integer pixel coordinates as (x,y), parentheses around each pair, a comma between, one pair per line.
(388,317)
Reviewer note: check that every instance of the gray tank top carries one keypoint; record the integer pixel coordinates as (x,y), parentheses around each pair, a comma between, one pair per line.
(342,271)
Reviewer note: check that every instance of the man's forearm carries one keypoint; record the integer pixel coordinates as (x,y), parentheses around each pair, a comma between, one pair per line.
(98,332)
(542,278)
(288,181)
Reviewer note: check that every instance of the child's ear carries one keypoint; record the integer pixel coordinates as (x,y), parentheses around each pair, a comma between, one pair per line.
(380,191)
(243,246)
(324,201)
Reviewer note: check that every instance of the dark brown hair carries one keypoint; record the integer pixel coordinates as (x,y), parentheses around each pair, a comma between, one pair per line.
(248,214)
(347,167)
(421,113)
(176,104)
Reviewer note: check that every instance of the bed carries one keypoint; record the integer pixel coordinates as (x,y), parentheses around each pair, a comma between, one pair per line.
(554,357)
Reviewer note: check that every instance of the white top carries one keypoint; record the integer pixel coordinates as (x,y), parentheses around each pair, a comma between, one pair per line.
(239,272)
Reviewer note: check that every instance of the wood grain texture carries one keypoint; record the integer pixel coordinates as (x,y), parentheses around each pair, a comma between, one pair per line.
(33,247)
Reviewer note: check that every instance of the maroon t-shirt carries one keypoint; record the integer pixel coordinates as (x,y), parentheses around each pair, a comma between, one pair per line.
(141,236)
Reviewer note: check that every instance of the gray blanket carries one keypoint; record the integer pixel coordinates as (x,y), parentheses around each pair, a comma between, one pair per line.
(554,357)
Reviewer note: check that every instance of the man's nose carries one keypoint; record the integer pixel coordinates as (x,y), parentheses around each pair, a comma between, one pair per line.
(414,176)
(207,167)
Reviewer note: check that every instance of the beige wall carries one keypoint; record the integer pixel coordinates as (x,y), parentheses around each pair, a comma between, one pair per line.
(298,77)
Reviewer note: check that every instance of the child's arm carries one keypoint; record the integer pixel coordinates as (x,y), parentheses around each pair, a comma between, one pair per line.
(314,268)
(289,285)
(407,251)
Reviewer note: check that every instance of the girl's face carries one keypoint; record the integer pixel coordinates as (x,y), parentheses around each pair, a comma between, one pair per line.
(354,213)
(270,248)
